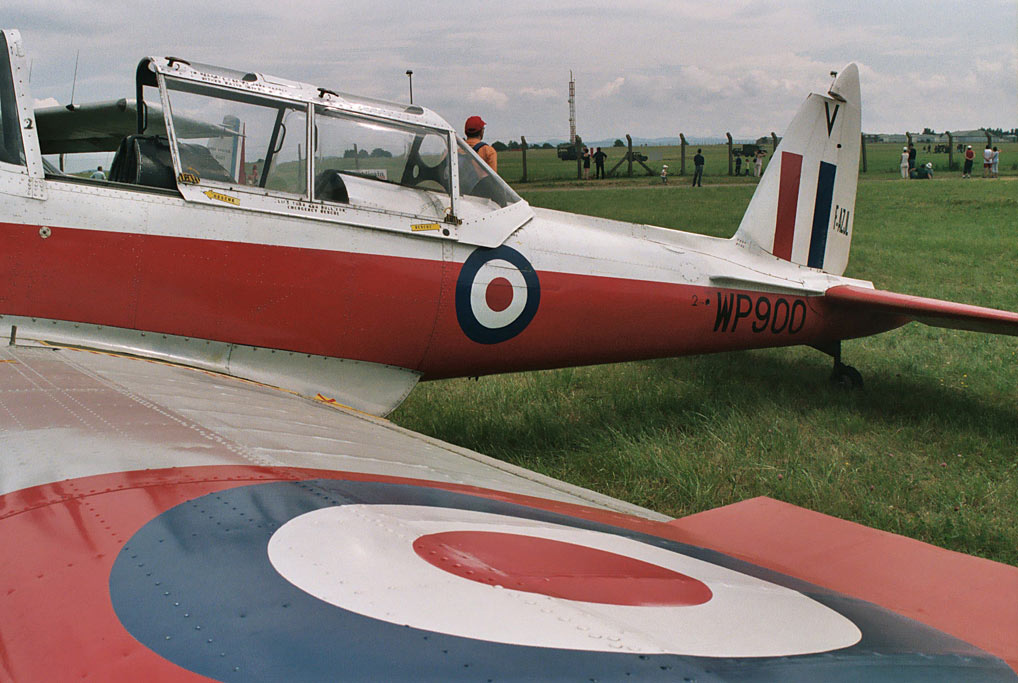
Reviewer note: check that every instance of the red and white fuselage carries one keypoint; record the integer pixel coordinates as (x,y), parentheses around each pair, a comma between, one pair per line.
(384,281)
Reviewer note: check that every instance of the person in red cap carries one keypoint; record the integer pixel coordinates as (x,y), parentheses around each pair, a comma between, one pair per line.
(474,129)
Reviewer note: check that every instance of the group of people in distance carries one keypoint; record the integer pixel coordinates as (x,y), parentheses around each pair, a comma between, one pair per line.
(756,162)
(991,162)
(908,166)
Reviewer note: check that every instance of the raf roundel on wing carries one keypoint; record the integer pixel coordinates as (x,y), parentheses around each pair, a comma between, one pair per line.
(227,584)
(235,577)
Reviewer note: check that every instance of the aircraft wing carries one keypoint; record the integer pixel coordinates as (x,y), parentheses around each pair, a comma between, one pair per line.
(933,312)
(101,126)
(167,523)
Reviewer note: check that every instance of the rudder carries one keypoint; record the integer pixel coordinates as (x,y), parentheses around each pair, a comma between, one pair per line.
(802,210)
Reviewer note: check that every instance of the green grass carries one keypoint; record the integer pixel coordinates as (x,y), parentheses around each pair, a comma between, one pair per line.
(929,449)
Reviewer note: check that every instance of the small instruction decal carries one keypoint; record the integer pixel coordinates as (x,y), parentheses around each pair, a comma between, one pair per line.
(220,197)
(420,227)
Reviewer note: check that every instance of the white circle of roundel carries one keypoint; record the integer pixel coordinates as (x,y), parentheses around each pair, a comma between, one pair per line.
(484,314)
(361,558)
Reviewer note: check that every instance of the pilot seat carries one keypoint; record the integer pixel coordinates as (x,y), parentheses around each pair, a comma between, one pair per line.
(329,187)
(144,160)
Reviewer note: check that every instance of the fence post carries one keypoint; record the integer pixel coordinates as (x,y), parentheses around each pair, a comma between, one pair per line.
(682,154)
(988,140)
(774,141)
(950,151)
(523,149)
(862,147)
(729,136)
(622,160)
(629,156)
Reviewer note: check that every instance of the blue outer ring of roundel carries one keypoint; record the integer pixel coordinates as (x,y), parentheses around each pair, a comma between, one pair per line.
(471,327)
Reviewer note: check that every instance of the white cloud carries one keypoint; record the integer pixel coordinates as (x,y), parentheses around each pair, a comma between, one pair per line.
(610,88)
(489,96)
(540,93)
(988,68)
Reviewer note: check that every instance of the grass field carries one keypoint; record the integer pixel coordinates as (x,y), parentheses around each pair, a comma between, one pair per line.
(929,449)
(882,162)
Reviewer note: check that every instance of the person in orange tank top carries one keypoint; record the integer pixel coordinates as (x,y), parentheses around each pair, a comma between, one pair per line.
(474,129)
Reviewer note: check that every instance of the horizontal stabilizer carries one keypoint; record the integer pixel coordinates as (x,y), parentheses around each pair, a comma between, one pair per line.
(933,312)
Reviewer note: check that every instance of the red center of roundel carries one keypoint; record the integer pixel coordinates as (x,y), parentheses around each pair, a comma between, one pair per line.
(499,294)
(558,569)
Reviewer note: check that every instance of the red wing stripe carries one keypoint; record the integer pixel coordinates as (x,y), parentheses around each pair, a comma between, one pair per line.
(933,312)
(788,200)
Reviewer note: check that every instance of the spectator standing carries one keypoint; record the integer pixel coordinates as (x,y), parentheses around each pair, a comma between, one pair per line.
(969,158)
(996,163)
(987,160)
(586,164)
(474,129)
(98,174)
(911,158)
(664,174)
(758,164)
(738,165)
(904,163)
(599,158)
(698,169)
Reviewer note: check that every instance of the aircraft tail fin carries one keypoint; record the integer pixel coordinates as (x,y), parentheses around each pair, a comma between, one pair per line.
(802,210)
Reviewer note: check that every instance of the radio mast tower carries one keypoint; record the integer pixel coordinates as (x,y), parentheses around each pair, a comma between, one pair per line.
(572,109)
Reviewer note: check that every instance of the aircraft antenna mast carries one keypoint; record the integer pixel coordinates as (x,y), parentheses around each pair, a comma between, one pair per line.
(74,81)
(572,109)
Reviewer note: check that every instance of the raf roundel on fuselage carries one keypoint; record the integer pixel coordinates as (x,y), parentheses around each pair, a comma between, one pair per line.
(497,295)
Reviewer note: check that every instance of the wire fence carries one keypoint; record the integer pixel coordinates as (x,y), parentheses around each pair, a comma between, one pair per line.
(879,155)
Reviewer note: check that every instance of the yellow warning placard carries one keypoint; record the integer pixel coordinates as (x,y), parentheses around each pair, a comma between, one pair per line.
(420,227)
(220,197)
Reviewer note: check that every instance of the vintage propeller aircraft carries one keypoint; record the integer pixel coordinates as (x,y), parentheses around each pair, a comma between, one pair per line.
(194,482)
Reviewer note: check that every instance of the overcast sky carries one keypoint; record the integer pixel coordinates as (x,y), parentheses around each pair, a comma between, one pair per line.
(648,68)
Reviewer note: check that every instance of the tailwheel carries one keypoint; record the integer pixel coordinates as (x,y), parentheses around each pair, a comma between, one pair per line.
(846,377)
